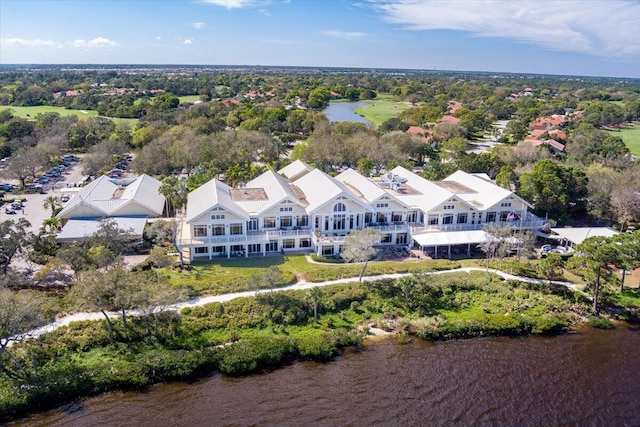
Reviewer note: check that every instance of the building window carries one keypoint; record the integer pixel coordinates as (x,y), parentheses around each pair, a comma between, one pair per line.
(505,204)
(217,250)
(386,238)
(367,218)
(270,222)
(286,209)
(252,224)
(255,248)
(449,207)
(380,217)
(491,217)
(286,221)
(201,250)
(382,205)
(272,246)
(217,230)
(339,222)
(199,231)
(462,218)
(217,216)
(303,221)
(433,220)
(401,239)
(288,244)
(339,207)
(396,216)
(235,229)
(447,219)
(327,250)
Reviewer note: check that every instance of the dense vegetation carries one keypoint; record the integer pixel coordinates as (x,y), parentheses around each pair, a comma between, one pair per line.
(251,334)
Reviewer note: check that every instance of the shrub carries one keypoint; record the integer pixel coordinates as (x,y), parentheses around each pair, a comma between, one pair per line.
(247,356)
(601,322)
(320,347)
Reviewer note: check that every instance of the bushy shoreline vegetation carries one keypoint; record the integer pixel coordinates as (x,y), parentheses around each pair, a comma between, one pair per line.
(249,335)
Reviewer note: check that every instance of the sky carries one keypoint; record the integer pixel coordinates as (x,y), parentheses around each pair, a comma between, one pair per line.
(569,37)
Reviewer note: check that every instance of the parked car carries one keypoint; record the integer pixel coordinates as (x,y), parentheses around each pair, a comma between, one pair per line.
(65,198)
(9,211)
(546,248)
(6,187)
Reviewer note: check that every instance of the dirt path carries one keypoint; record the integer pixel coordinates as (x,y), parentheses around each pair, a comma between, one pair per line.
(300,285)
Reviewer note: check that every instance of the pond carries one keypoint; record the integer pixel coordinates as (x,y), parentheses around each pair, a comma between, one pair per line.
(344,112)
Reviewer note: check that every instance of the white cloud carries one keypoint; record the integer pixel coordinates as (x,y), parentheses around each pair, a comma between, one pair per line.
(98,42)
(230,4)
(346,35)
(187,41)
(198,25)
(28,44)
(606,29)
(158,38)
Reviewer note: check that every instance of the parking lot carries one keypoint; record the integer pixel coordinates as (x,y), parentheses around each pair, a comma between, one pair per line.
(33,210)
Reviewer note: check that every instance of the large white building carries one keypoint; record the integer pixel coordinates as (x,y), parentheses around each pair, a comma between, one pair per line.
(127,202)
(302,208)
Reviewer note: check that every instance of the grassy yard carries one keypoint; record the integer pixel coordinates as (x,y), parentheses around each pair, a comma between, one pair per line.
(382,109)
(32,112)
(631,137)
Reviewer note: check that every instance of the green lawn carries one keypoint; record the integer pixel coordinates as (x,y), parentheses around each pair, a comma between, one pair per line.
(189,98)
(32,112)
(382,109)
(631,137)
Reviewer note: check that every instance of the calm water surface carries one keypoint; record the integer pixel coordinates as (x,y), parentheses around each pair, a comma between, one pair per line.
(343,112)
(586,379)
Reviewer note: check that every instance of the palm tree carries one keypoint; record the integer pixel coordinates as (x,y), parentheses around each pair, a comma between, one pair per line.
(315,294)
(51,202)
(51,223)
(167,187)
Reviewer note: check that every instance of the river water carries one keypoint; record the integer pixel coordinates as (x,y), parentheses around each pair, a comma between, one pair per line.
(591,378)
(343,112)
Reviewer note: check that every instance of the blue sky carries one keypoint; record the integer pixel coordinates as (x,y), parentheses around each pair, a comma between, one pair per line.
(596,37)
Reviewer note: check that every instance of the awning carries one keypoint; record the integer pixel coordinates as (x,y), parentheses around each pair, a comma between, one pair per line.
(577,235)
(78,229)
(446,238)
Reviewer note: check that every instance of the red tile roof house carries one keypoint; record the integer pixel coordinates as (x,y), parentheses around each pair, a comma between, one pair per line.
(449,119)
(548,122)
(552,143)
(424,134)
(454,106)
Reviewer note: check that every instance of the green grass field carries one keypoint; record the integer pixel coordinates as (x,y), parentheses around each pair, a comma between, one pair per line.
(189,98)
(631,137)
(381,110)
(32,112)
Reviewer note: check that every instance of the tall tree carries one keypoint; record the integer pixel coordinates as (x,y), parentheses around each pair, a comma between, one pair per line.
(315,295)
(15,239)
(20,312)
(359,246)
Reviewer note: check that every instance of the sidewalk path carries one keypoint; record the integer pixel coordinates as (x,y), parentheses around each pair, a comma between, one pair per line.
(301,285)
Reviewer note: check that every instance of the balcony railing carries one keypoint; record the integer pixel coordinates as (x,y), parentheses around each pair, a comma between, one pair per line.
(518,224)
